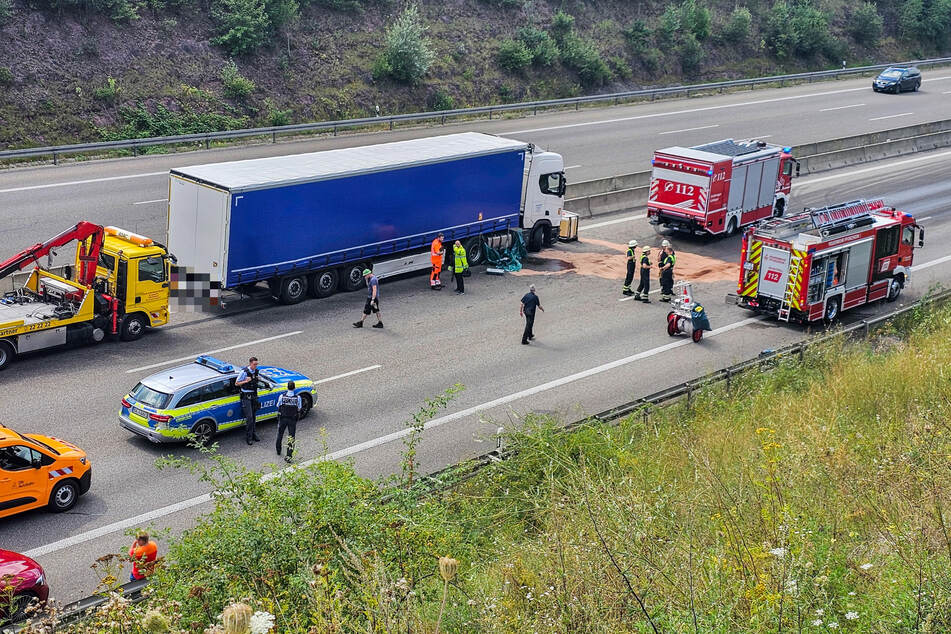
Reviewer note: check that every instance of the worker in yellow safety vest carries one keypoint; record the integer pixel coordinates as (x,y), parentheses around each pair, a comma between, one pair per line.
(460,265)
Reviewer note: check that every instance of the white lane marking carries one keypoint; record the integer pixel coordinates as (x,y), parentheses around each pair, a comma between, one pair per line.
(193,356)
(149,202)
(703,127)
(145,518)
(91,180)
(928,265)
(946,92)
(854,105)
(611,222)
(884,165)
(923,219)
(891,116)
(630,297)
(571,167)
(346,374)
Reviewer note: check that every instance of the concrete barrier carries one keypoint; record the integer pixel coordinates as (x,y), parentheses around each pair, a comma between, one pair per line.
(626,191)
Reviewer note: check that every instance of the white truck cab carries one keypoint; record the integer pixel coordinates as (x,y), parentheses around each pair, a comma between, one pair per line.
(543,193)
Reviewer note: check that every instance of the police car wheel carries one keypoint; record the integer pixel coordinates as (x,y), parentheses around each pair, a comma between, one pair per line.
(63,496)
(133,327)
(204,431)
(305,405)
(7,354)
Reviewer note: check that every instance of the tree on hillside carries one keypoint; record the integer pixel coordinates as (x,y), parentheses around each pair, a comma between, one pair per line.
(865,24)
(243,25)
(408,54)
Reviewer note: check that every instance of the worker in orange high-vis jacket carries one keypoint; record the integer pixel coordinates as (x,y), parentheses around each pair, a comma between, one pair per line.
(436,254)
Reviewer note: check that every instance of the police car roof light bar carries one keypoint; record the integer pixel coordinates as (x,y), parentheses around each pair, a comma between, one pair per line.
(214,364)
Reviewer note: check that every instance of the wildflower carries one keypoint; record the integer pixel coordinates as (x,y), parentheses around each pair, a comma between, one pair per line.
(817,623)
(262,622)
(852,594)
(447,568)
(155,622)
(851,616)
(820,612)
(833,625)
(779,553)
(866,566)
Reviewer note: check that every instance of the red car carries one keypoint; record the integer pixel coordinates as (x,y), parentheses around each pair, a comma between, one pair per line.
(21,581)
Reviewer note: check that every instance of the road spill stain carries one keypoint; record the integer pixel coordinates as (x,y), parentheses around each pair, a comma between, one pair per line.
(608,263)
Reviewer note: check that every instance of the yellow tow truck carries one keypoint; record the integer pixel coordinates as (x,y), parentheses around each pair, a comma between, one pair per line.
(121,287)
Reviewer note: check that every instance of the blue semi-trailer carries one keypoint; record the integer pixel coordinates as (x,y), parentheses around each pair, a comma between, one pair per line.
(310,223)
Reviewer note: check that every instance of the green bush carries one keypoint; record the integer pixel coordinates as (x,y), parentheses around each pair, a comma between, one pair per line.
(243,25)
(583,57)
(691,54)
(651,60)
(439,100)
(507,4)
(514,56)
(139,122)
(865,24)
(562,24)
(408,53)
(236,85)
(281,13)
(620,68)
(937,26)
(669,24)
(739,26)
(6,10)
(911,19)
(638,36)
(695,19)
(279,117)
(540,43)
(109,92)
(6,76)
(810,27)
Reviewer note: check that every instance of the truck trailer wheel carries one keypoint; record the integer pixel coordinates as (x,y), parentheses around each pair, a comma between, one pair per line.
(133,327)
(351,277)
(324,283)
(7,354)
(293,289)
(474,251)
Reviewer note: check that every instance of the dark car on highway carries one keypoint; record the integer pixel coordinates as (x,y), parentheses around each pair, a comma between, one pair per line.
(22,581)
(897,80)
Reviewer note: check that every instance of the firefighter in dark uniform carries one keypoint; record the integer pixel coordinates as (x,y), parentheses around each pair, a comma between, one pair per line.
(631,266)
(666,268)
(643,289)
(288,413)
(247,383)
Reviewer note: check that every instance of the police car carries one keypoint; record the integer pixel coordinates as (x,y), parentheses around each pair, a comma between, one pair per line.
(200,398)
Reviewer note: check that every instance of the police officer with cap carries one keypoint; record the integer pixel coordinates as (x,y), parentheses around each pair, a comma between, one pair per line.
(643,289)
(666,268)
(247,383)
(631,266)
(288,413)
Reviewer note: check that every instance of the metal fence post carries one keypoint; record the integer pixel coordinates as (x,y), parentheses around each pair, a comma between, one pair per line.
(729,375)
(391,124)
(802,349)
(54,158)
(335,130)
(865,327)
(206,143)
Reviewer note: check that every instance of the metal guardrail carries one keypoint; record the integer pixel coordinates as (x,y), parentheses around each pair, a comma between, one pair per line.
(460,472)
(207,137)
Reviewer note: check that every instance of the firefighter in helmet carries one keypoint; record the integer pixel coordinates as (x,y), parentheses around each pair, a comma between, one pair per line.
(631,266)
(665,266)
(643,289)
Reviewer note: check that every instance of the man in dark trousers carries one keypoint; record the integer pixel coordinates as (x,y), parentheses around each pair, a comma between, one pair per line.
(666,267)
(530,302)
(288,413)
(631,266)
(247,383)
(644,288)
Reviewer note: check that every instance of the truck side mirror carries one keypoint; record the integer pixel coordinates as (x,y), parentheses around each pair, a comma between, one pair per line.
(921,236)
(797,169)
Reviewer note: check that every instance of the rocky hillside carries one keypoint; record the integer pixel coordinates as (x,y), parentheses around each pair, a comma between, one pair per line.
(74,70)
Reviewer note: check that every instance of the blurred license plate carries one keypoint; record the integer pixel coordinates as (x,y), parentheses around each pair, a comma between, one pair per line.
(140,412)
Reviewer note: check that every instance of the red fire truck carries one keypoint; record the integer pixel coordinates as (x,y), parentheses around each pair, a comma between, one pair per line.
(719,187)
(813,265)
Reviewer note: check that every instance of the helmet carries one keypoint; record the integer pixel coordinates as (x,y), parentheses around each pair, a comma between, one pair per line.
(665,243)
(646,250)
(632,243)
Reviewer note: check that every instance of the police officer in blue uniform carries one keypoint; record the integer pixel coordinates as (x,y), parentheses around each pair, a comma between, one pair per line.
(247,383)
(288,412)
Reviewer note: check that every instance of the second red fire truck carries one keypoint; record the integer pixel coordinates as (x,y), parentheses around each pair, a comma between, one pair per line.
(716,188)
(813,265)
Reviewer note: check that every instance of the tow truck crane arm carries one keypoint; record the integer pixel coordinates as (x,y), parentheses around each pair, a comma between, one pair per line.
(88,252)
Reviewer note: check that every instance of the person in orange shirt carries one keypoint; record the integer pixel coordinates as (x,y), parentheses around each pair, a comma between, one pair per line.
(436,254)
(143,553)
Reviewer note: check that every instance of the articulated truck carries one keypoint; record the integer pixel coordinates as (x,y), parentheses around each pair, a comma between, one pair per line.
(309,224)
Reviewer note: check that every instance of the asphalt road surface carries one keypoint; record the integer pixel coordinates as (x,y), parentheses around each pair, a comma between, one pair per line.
(593,351)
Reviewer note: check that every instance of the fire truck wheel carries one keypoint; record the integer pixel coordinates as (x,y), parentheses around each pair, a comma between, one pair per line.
(732,226)
(133,327)
(832,311)
(7,354)
(697,336)
(894,290)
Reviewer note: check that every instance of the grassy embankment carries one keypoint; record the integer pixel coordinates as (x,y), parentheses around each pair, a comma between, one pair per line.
(809,497)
